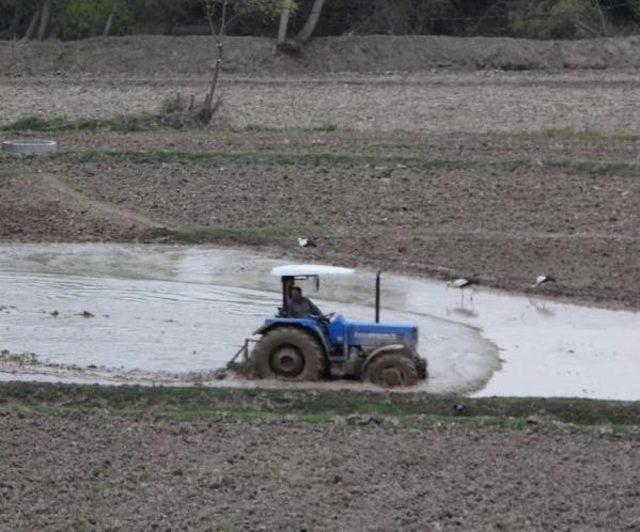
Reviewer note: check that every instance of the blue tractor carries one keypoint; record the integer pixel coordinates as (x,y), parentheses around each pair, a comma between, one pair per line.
(330,346)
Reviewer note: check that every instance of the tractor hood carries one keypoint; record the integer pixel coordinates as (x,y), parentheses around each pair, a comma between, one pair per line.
(373,334)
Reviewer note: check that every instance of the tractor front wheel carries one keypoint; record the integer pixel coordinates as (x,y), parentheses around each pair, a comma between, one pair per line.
(391,370)
(288,353)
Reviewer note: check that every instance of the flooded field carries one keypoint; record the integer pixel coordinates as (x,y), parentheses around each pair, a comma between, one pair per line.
(172,315)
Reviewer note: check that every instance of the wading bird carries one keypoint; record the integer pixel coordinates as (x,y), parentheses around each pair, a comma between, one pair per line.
(307,243)
(462,283)
(542,280)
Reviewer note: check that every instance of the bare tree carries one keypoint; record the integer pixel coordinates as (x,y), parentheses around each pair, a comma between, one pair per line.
(33,25)
(284,22)
(310,25)
(209,107)
(15,22)
(603,19)
(112,15)
(204,113)
(295,44)
(45,17)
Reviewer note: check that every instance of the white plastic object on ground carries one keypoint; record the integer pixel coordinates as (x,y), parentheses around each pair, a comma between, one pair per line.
(29,146)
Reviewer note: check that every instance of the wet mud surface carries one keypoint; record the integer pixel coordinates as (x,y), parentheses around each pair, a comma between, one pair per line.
(175,315)
(86,471)
(124,314)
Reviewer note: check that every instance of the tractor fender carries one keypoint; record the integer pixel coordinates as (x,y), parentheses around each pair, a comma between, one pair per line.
(315,331)
(391,348)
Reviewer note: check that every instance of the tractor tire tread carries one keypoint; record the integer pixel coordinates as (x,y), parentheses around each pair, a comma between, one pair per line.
(400,360)
(312,351)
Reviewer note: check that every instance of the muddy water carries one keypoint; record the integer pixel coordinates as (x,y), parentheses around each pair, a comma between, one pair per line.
(174,314)
(168,314)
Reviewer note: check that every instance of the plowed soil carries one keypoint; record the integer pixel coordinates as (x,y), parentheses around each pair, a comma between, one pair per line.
(448,206)
(88,471)
(433,102)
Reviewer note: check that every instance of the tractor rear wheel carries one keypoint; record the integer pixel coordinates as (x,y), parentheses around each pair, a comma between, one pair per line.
(288,353)
(391,370)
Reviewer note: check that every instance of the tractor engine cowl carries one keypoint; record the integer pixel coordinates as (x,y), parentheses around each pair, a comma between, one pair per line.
(375,334)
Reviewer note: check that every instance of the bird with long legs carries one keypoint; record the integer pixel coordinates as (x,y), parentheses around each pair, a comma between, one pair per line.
(541,282)
(462,283)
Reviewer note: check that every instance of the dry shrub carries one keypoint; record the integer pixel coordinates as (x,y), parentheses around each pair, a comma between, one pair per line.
(178,111)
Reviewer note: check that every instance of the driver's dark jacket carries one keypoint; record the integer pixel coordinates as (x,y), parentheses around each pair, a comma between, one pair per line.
(302,308)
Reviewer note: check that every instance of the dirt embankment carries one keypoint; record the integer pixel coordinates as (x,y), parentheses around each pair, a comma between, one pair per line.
(158,55)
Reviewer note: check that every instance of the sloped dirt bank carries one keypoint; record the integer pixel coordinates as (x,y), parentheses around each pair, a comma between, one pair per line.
(153,55)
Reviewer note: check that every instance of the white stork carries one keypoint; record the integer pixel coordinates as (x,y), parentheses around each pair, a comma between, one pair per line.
(543,280)
(307,243)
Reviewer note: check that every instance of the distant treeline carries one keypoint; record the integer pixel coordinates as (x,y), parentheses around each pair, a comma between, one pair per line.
(538,19)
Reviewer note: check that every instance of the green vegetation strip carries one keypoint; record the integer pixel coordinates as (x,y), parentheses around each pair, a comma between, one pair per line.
(199,234)
(308,406)
(599,167)
(122,124)
(131,123)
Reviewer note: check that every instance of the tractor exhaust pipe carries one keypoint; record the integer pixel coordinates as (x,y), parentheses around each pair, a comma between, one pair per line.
(378,296)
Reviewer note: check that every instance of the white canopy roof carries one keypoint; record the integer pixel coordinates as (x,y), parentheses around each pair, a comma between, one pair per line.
(301,270)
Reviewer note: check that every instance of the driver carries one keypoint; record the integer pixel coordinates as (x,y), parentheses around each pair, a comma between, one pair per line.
(299,306)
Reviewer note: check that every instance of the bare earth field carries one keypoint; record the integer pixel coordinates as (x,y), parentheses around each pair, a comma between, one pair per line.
(479,102)
(136,459)
(83,472)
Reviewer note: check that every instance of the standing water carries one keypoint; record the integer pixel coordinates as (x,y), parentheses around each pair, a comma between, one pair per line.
(172,314)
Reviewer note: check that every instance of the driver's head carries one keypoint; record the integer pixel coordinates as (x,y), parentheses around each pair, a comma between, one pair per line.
(296,293)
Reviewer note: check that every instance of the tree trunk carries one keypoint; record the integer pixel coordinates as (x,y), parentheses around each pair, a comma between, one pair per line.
(284,22)
(310,25)
(31,30)
(44,21)
(17,17)
(603,20)
(209,107)
(110,18)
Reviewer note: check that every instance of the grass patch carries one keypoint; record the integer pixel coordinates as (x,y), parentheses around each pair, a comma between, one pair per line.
(259,128)
(200,234)
(121,124)
(188,404)
(569,134)
(429,164)
(587,135)
(132,123)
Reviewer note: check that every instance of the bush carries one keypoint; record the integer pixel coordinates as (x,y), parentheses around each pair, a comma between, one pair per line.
(555,19)
(86,18)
